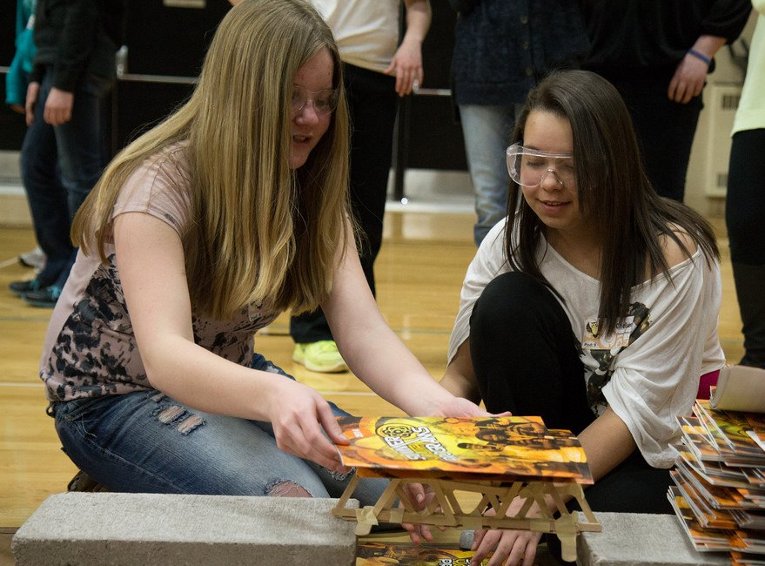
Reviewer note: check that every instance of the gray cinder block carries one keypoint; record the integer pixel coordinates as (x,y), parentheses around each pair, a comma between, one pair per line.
(149,529)
(631,539)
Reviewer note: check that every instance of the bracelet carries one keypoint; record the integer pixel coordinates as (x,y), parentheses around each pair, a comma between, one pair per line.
(700,56)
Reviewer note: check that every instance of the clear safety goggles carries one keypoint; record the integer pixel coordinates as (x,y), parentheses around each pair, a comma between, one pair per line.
(529,167)
(323,101)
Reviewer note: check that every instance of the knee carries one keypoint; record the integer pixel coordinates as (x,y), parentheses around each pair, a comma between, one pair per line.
(511,300)
(36,171)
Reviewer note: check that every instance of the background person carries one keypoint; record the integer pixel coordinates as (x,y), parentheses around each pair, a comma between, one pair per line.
(17,78)
(745,202)
(63,151)
(502,49)
(16,82)
(375,70)
(658,54)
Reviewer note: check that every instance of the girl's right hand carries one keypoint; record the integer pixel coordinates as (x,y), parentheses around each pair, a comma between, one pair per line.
(507,547)
(304,424)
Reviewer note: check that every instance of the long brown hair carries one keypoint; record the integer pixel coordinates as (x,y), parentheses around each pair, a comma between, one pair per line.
(614,192)
(258,232)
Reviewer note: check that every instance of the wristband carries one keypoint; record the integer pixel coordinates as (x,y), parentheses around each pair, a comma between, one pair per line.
(700,56)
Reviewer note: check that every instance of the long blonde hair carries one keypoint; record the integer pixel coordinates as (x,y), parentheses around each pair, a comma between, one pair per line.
(258,232)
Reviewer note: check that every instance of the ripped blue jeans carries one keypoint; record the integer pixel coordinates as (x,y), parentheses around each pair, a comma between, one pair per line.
(145,442)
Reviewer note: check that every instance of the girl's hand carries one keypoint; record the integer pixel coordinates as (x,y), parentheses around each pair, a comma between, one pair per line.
(510,548)
(58,107)
(304,424)
(406,66)
(688,80)
(450,406)
(33,90)
(421,495)
(461,407)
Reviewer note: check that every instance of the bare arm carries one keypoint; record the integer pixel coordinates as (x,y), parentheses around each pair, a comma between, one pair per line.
(406,64)
(607,442)
(459,378)
(374,352)
(150,259)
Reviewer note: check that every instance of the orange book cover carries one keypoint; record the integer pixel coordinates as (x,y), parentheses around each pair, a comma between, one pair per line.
(732,427)
(404,554)
(477,448)
(703,540)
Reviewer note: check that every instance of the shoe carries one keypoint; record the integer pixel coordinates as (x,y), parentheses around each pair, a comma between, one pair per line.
(321,356)
(34,258)
(44,298)
(83,482)
(21,288)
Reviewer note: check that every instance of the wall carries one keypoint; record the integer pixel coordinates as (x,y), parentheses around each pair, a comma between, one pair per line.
(167,44)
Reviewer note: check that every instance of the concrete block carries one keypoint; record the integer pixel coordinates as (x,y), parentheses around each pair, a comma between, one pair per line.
(631,539)
(103,529)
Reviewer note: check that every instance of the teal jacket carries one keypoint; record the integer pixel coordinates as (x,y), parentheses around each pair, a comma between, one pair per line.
(18,73)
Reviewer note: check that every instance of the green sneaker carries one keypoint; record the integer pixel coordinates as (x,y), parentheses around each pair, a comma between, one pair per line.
(321,356)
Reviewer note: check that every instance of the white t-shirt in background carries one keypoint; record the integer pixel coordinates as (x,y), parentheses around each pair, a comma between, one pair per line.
(366,31)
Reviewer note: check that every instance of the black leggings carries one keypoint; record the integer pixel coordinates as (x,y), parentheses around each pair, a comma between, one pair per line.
(526,361)
(745,203)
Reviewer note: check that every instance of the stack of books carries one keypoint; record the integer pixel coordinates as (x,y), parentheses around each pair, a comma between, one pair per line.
(719,477)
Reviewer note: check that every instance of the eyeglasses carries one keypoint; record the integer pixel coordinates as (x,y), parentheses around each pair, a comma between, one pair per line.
(324,101)
(529,167)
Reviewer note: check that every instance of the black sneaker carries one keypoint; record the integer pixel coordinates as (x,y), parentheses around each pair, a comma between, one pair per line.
(21,288)
(44,298)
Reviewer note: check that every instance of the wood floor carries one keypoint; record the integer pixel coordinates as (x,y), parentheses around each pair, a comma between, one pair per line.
(419,273)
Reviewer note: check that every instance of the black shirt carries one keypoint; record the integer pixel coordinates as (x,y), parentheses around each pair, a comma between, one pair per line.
(77,37)
(626,35)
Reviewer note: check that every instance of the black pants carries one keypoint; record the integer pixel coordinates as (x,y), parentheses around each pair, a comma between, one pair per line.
(526,361)
(745,202)
(372,103)
(744,213)
(665,129)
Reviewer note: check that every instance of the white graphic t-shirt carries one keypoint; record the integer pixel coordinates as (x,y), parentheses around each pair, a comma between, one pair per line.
(646,382)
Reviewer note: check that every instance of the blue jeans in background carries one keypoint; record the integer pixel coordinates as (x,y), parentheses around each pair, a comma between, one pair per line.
(487,131)
(59,167)
(145,442)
